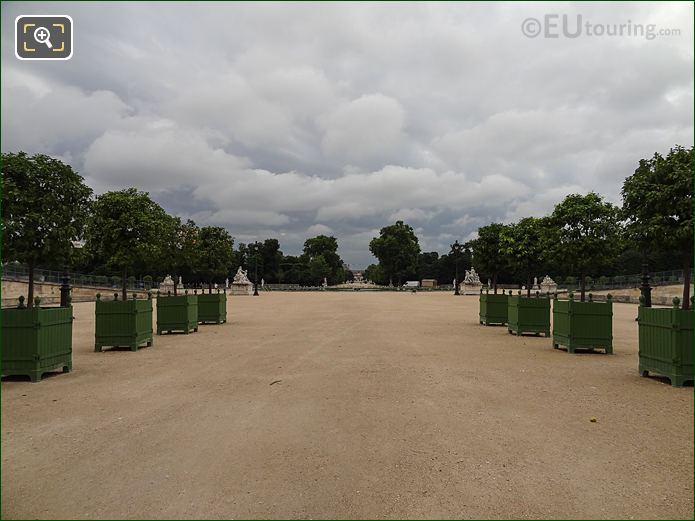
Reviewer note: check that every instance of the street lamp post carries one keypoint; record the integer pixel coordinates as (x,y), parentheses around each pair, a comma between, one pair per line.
(645,288)
(255,278)
(456,251)
(65,288)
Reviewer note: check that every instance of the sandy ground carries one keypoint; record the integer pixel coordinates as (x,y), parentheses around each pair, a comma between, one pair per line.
(348,405)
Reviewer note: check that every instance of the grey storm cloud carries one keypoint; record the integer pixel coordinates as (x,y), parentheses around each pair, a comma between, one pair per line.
(291,120)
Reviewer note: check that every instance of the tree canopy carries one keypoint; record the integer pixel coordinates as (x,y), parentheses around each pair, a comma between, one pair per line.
(397,249)
(587,233)
(525,244)
(125,227)
(45,206)
(215,253)
(658,206)
(489,254)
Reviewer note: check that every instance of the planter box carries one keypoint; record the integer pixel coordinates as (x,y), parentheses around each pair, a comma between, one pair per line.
(666,343)
(212,308)
(36,340)
(179,313)
(123,323)
(493,308)
(583,325)
(528,315)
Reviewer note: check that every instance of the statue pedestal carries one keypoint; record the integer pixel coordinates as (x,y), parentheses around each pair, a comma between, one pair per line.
(240,288)
(471,289)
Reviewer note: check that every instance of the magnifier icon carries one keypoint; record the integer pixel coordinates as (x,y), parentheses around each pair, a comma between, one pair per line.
(42,35)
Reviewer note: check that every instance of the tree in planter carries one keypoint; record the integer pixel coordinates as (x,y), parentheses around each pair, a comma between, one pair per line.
(658,206)
(45,205)
(215,253)
(181,243)
(525,244)
(587,233)
(397,249)
(489,254)
(126,226)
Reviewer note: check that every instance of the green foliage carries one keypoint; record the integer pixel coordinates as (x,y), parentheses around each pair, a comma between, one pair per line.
(375,273)
(657,201)
(489,253)
(326,247)
(525,245)
(126,228)
(397,249)
(215,253)
(587,235)
(318,269)
(658,206)
(45,205)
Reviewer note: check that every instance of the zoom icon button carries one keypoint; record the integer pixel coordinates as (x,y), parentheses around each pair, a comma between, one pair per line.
(43,37)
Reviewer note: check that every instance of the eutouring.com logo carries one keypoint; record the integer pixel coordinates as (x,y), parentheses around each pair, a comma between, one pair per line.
(574,26)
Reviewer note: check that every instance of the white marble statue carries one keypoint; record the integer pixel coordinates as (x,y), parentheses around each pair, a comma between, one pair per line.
(548,285)
(241,277)
(471,283)
(226,282)
(167,285)
(241,285)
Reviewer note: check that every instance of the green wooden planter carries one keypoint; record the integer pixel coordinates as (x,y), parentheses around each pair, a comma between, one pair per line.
(666,342)
(123,323)
(177,313)
(212,308)
(583,325)
(528,315)
(36,340)
(493,308)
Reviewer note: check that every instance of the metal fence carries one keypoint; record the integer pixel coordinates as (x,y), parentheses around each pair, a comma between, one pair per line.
(19,272)
(658,278)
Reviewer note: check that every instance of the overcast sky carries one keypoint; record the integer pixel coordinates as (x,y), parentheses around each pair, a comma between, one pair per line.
(289,121)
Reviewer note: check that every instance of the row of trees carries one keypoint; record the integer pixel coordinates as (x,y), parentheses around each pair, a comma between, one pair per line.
(587,236)
(584,236)
(398,250)
(47,208)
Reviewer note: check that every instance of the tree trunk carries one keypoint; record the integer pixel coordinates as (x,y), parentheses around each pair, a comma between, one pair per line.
(686,284)
(528,285)
(494,282)
(30,298)
(582,286)
(210,288)
(175,284)
(124,284)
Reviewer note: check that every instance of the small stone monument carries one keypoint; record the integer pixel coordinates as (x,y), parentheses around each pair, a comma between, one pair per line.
(535,286)
(325,283)
(226,283)
(471,283)
(241,285)
(180,284)
(548,285)
(167,285)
